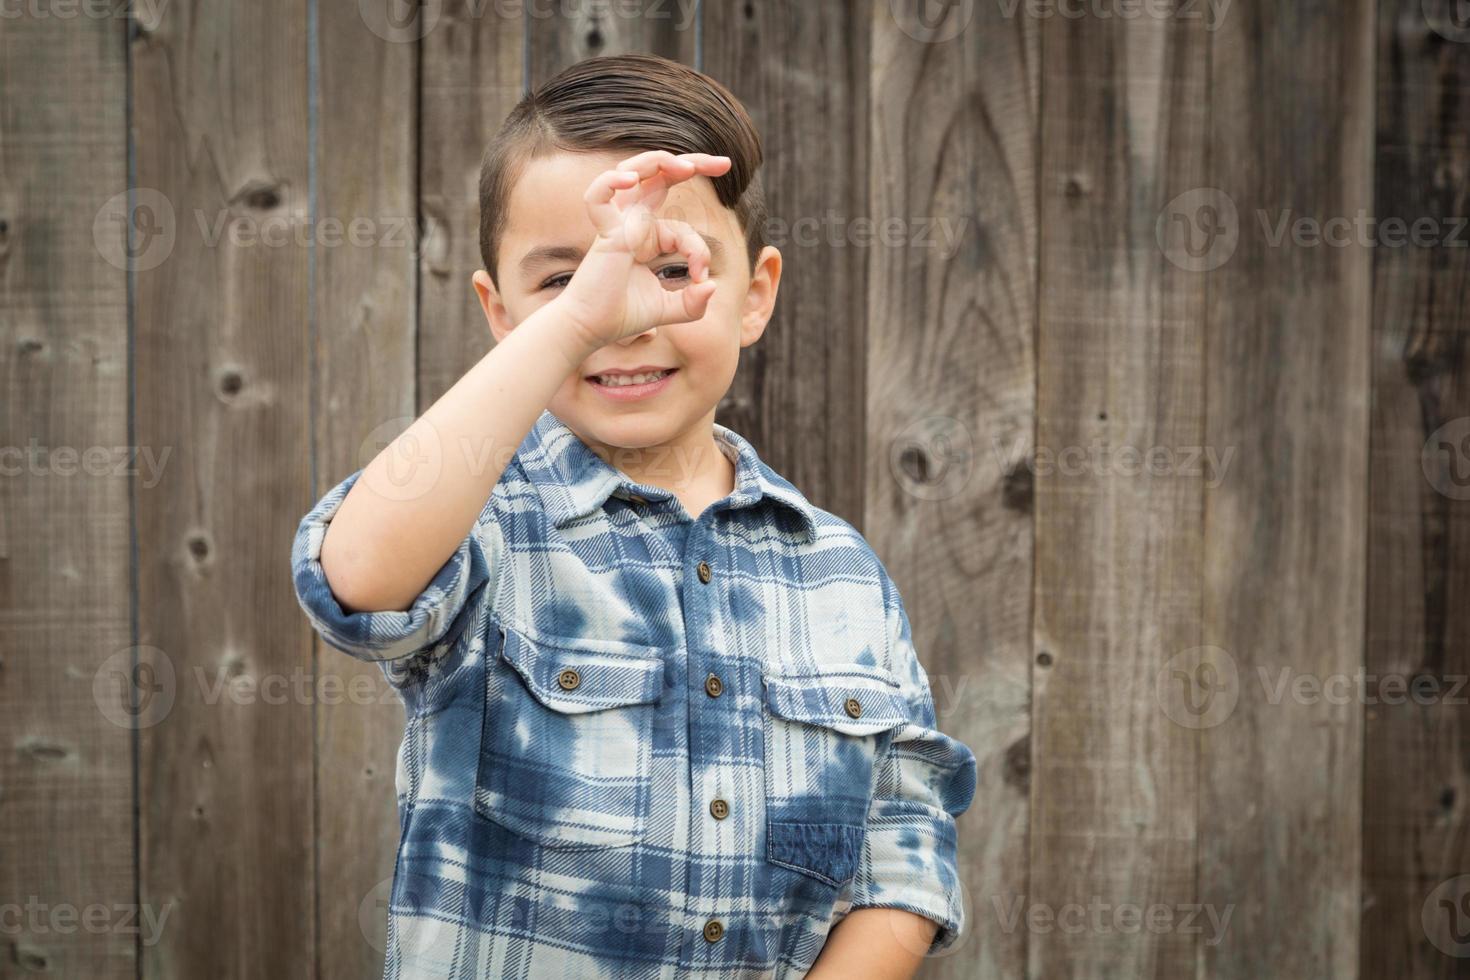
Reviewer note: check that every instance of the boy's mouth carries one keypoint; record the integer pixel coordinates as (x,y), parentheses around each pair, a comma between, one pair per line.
(624,385)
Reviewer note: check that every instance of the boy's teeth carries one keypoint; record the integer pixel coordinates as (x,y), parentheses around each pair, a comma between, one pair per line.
(619,380)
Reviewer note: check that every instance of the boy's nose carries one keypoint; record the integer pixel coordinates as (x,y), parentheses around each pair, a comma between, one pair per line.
(625,341)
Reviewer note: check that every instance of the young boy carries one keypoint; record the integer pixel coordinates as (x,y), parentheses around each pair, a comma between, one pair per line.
(663,715)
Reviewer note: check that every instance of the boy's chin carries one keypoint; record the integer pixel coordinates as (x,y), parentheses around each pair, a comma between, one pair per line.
(635,430)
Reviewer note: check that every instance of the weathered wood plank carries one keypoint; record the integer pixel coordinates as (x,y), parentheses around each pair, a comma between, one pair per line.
(1119,565)
(1416,793)
(472,75)
(1291,133)
(66,781)
(366,152)
(799,394)
(560,35)
(220,97)
(951,387)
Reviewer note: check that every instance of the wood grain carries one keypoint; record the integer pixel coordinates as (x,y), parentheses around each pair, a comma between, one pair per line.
(562,34)
(799,394)
(951,387)
(220,112)
(1119,563)
(472,75)
(1291,131)
(1416,791)
(66,781)
(363,393)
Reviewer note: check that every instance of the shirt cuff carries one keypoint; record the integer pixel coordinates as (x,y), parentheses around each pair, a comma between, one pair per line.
(910,851)
(387,634)
(924,779)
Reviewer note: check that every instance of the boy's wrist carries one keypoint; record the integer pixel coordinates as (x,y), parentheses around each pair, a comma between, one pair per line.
(555,327)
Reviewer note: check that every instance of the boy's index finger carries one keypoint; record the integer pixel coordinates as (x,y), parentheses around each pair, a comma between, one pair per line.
(707,163)
(650,162)
(677,167)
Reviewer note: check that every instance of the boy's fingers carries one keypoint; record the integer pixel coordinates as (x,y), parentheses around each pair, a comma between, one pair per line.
(650,162)
(680,236)
(688,303)
(599,197)
(656,171)
(709,164)
(677,167)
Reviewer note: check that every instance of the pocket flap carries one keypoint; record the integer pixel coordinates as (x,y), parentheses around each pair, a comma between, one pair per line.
(576,676)
(823,699)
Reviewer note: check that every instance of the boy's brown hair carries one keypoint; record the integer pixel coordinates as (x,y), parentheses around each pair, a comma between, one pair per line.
(632,103)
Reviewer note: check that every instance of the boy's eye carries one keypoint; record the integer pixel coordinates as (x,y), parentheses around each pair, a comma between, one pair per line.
(676,271)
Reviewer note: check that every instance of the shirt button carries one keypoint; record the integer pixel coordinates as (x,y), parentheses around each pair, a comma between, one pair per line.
(569,679)
(712,686)
(719,809)
(853,707)
(634,498)
(704,572)
(713,930)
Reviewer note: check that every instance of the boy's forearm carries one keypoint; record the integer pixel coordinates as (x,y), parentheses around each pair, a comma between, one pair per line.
(875,944)
(418,498)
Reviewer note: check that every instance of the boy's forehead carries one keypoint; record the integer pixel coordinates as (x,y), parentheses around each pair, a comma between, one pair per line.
(546,205)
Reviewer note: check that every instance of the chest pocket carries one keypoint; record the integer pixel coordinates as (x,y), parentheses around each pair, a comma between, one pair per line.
(566,743)
(823,735)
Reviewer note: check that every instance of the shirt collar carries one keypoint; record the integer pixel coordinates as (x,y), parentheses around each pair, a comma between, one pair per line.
(574,481)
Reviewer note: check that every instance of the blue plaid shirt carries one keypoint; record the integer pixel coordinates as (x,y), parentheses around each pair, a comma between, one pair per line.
(640,745)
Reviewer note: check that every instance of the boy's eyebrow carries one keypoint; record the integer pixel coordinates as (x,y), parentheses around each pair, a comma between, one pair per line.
(545,254)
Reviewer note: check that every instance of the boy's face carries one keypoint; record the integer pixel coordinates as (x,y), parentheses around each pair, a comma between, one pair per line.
(546,208)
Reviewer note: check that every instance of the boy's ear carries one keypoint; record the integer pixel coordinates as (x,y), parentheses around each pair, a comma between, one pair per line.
(496,314)
(760,298)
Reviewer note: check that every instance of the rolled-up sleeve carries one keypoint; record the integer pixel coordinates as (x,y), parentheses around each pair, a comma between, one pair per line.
(926,779)
(389,635)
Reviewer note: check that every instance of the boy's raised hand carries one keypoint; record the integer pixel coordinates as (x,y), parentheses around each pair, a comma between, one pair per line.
(614,294)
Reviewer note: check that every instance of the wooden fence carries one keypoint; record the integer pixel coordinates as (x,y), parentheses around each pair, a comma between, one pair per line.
(1168,447)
